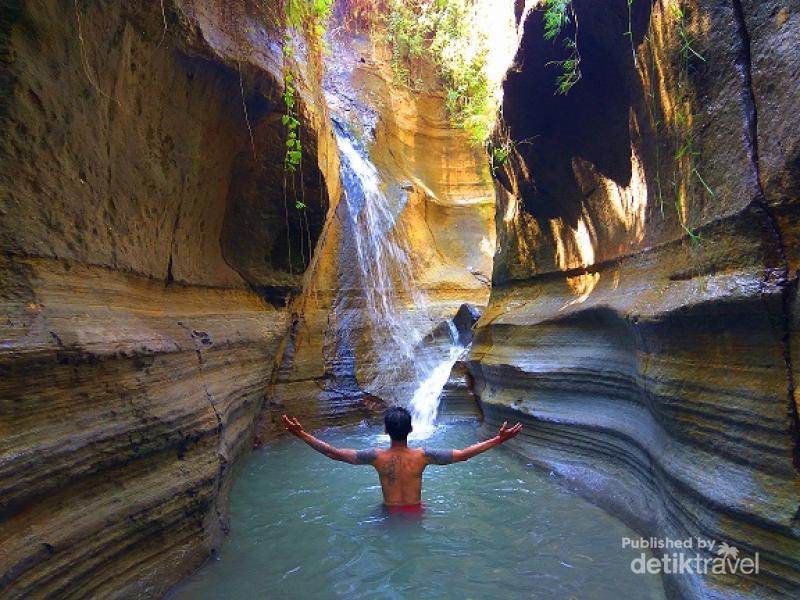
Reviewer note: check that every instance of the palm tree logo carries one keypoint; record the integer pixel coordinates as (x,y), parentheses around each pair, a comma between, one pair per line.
(727,552)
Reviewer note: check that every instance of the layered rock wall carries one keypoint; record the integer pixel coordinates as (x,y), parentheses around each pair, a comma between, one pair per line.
(145,264)
(642,316)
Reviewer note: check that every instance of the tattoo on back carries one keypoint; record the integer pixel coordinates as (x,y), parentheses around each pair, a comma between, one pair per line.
(439,457)
(366,457)
(391,470)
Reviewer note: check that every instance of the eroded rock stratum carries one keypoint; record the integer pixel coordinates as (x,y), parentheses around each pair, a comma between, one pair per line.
(657,371)
(145,260)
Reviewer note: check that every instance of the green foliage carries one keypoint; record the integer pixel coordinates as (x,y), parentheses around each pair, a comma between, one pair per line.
(500,155)
(502,149)
(570,68)
(442,32)
(309,15)
(687,153)
(557,15)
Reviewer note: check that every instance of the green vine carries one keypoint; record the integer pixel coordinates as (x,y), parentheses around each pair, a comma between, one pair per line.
(686,154)
(557,15)
(294,148)
(629,33)
(309,17)
(687,41)
(312,17)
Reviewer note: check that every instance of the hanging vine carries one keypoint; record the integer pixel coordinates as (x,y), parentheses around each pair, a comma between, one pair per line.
(308,17)
(557,15)
(629,33)
(687,153)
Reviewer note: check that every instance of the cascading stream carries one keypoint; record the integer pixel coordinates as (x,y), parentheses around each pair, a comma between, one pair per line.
(396,308)
(425,402)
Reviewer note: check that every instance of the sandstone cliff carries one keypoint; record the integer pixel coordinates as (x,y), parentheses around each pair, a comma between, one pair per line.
(643,312)
(146,257)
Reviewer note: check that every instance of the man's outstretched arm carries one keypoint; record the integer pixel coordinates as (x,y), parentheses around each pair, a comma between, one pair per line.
(354,457)
(445,457)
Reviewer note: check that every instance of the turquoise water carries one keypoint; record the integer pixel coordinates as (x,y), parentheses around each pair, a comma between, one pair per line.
(304,526)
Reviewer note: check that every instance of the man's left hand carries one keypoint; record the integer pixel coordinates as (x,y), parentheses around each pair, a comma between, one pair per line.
(293,426)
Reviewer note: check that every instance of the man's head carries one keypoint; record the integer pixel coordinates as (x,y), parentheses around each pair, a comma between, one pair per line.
(398,423)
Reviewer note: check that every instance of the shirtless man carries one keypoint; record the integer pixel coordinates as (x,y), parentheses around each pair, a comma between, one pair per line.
(400,467)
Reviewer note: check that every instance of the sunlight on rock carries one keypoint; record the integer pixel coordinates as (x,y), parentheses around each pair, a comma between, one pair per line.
(580,215)
(511,210)
(630,202)
(573,246)
(582,286)
(574,250)
(487,246)
(496,24)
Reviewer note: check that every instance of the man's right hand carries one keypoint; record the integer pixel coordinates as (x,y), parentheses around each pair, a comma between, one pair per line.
(506,432)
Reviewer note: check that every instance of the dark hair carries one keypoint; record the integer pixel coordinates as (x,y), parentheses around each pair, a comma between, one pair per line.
(398,422)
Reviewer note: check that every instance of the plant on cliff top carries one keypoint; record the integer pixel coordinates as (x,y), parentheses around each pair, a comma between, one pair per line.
(442,33)
(461,61)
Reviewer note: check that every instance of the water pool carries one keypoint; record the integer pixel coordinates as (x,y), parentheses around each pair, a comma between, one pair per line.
(304,526)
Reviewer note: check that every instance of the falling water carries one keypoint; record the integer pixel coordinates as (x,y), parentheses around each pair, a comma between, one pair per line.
(395,306)
(382,250)
(425,402)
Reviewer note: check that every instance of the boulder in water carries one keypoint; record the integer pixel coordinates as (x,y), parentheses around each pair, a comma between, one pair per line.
(464,321)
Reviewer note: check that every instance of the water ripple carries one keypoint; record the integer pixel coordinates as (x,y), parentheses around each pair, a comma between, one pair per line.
(303,527)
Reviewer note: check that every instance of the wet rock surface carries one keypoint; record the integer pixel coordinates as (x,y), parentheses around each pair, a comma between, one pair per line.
(458,401)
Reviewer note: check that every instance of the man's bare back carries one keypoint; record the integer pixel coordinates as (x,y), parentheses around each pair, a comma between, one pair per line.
(400,467)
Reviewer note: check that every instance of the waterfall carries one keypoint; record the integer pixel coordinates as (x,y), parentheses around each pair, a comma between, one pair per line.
(395,307)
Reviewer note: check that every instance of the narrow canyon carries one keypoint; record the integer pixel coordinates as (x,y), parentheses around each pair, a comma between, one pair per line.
(215,213)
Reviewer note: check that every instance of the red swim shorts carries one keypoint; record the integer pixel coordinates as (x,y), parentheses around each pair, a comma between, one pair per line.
(405,509)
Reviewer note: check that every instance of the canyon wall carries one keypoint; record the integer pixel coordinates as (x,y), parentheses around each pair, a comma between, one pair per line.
(643,316)
(146,259)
